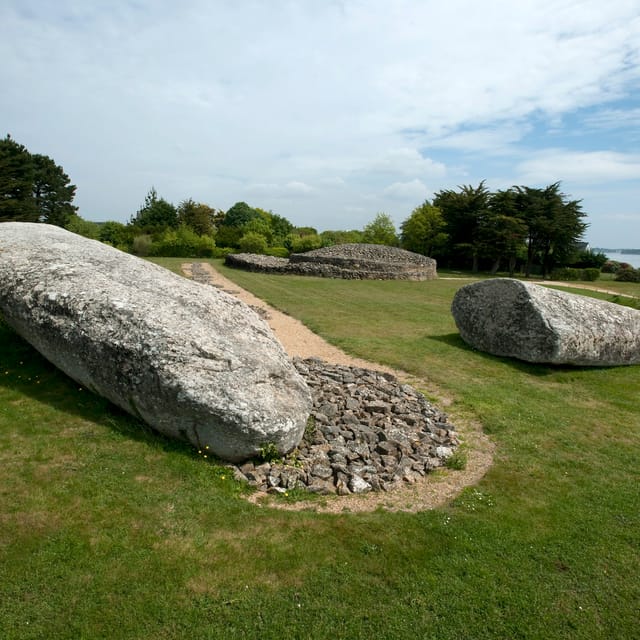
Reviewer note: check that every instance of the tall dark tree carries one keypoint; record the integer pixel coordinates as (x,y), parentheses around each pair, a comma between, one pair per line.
(554,225)
(463,212)
(16,183)
(33,188)
(502,232)
(156,214)
(52,192)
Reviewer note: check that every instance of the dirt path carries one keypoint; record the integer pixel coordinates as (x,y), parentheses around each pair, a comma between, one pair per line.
(436,489)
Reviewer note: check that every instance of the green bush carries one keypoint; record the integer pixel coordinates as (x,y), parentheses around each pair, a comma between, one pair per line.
(142,245)
(278,252)
(591,274)
(253,242)
(183,243)
(572,274)
(223,252)
(567,273)
(301,244)
(628,275)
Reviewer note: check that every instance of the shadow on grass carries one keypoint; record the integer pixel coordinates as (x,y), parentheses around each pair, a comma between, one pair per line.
(531,368)
(25,371)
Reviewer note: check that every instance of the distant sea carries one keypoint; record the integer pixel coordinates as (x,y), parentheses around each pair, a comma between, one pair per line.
(630,258)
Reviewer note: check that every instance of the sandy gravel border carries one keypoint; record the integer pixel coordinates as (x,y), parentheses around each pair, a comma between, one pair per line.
(435,489)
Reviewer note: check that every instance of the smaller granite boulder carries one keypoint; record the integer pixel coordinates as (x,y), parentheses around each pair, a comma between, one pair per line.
(507,317)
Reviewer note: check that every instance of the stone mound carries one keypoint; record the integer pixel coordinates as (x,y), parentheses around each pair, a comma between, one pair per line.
(507,317)
(368,432)
(193,362)
(349,261)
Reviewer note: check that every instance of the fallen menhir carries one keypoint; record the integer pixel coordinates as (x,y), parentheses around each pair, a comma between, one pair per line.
(507,317)
(193,362)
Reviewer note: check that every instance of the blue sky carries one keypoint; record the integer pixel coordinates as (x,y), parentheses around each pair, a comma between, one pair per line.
(329,111)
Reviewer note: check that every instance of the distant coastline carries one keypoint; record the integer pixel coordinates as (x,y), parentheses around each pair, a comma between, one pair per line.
(630,256)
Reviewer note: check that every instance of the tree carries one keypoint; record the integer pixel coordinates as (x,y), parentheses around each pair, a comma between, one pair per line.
(424,230)
(501,232)
(463,212)
(380,230)
(260,226)
(554,225)
(33,188)
(16,183)
(116,234)
(156,214)
(501,237)
(52,191)
(197,216)
(239,214)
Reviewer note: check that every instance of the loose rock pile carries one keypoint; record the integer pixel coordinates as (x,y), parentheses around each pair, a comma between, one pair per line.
(348,261)
(367,432)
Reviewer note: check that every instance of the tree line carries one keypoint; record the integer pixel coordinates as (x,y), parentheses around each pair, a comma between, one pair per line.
(469,228)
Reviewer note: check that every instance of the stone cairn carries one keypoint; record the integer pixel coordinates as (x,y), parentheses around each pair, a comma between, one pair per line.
(366,432)
(348,261)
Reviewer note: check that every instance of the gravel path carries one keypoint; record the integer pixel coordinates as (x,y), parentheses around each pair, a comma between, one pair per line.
(435,489)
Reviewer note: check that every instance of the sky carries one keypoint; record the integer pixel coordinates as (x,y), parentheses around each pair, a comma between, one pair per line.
(329,112)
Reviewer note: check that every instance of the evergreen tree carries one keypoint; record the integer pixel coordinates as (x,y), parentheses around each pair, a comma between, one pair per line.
(52,191)
(156,214)
(16,183)
(33,188)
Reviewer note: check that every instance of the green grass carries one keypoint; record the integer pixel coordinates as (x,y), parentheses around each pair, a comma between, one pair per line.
(109,531)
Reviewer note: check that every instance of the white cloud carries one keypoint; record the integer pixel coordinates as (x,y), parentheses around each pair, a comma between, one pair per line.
(316,106)
(579,167)
(414,190)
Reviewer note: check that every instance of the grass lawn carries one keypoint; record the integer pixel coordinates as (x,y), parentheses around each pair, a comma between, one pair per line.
(109,531)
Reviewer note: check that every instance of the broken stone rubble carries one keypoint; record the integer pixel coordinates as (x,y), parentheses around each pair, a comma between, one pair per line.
(367,432)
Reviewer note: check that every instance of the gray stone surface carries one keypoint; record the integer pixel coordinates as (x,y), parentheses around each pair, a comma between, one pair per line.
(348,261)
(368,432)
(507,317)
(191,361)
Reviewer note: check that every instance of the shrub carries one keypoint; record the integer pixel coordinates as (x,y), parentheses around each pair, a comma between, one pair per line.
(628,275)
(591,274)
(183,243)
(253,242)
(611,266)
(572,274)
(223,252)
(142,245)
(567,273)
(278,252)
(301,244)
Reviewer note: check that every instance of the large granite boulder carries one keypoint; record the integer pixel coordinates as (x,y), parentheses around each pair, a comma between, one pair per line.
(507,317)
(191,361)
